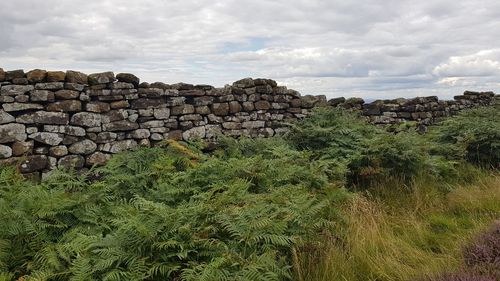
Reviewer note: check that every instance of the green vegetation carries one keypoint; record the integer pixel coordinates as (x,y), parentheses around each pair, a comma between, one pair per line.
(335,199)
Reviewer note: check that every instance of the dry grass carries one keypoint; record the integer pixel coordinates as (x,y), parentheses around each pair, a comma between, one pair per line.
(409,233)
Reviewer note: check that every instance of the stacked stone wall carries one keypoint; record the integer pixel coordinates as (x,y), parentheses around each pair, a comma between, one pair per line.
(69,119)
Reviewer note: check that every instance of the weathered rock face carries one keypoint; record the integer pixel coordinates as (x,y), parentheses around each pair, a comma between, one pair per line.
(6,117)
(128,78)
(76,77)
(43,117)
(12,132)
(101,78)
(74,120)
(83,147)
(47,138)
(5,151)
(36,76)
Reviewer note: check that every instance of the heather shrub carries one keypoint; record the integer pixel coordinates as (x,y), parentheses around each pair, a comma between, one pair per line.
(462,277)
(483,253)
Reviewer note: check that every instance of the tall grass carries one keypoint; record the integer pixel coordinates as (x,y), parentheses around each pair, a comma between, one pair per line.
(414,232)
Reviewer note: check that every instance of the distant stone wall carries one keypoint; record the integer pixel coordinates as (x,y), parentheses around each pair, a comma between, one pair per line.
(52,119)
(422,110)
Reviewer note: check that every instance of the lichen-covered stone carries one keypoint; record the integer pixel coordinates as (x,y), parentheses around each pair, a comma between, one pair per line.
(65,106)
(50,86)
(5,151)
(6,99)
(47,138)
(220,109)
(67,94)
(143,103)
(151,92)
(66,129)
(97,159)
(182,109)
(44,117)
(122,125)
(262,105)
(12,132)
(83,147)
(22,147)
(119,104)
(101,78)
(244,83)
(71,162)
(128,78)
(194,133)
(6,117)
(76,77)
(121,86)
(97,106)
(119,146)
(140,134)
(14,74)
(14,90)
(36,76)
(42,95)
(34,163)
(86,119)
(16,106)
(55,76)
(58,151)
(253,124)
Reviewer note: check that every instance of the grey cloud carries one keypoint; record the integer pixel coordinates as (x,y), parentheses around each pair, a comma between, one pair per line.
(370,47)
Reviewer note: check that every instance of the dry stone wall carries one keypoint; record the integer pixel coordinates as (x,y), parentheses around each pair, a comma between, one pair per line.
(69,119)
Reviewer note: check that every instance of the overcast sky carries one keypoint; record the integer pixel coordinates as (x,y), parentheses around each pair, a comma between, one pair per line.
(365,48)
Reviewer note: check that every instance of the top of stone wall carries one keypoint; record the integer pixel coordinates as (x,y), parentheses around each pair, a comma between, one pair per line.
(263,86)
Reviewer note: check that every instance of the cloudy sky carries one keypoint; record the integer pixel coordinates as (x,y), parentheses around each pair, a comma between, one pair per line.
(366,48)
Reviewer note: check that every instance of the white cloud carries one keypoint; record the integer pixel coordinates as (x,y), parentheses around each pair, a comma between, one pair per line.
(370,48)
(482,63)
